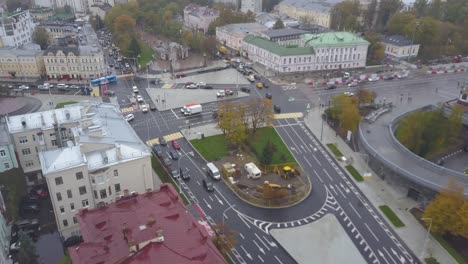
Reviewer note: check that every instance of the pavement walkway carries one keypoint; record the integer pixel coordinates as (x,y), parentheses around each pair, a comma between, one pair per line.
(380,192)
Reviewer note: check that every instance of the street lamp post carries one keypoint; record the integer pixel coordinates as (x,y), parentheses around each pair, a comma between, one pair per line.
(427,236)
(224,212)
(412,39)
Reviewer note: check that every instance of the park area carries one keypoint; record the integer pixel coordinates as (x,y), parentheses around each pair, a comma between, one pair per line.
(279,182)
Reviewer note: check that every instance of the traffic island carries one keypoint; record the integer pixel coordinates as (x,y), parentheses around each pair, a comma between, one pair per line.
(262,172)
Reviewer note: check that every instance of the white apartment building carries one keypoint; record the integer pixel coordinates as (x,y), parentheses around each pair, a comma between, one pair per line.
(21,63)
(16,29)
(253,6)
(102,159)
(70,58)
(284,36)
(399,47)
(327,51)
(232,35)
(199,17)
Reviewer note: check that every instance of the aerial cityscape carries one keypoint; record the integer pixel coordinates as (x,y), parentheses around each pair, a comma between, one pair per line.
(234,131)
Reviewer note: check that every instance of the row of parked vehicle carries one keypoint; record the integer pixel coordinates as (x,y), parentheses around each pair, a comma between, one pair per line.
(173,154)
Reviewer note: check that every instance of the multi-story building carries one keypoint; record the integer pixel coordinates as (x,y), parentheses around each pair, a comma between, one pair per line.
(16,29)
(78,57)
(7,150)
(4,234)
(101,158)
(41,13)
(100,9)
(399,47)
(327,51)
(285,36)
(269,19)
(199,17)
(24,62)
(152,227)
(232,35)
(253,6)
(59,29)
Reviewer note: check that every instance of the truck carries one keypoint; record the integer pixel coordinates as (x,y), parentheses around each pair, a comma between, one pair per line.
(184,108)
(192,110)
(252,171)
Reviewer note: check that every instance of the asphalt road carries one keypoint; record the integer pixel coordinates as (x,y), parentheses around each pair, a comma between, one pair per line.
(333,191)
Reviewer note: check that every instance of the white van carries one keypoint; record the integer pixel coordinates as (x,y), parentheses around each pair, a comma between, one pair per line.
(252,171)
(213,171)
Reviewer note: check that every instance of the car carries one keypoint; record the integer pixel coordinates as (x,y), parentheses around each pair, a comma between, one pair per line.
(259,85)
(251,78)
(220,93)
(330,87)
(175,144)
(191,86)
(162,141)
(156,81)
(42,87)
(62,87)
(23,87)
(269,95)
(389,78)
(139,98)
(157,150)
(110,93)
(31,199)
(135,89)
(208,185)
(352,84)
(175,173)
(257,77)
(74,86)
(27,224)
(183,175)
(29,208)
(167,162)
(277,109)
(152,106)
(129,117)
(349,93)
(346,75)
(208,87)
(201,84)
(266,85)
(127,65)
(144,108)
(117,66)
(73,240)
(174,154)
(373,79)
(15,246)
(245,89)
(228,92)
(180,75)
(402,75)
(111,66)
(40,191)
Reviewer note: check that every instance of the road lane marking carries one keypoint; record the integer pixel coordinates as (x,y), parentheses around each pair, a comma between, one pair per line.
(261,258)
(247,253)
(318,176)
(317,160)
(262,241)
(259,248)
(207,204)
(288,115)
(328,174)
(376,238)
(241,218)
(388,254)
(241,235)
(278,260)
(338,188)
(354,209)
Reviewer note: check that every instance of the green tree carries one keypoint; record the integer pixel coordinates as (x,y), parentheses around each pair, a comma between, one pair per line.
(345,15)
(278,24)
(455,123)
(369,15)
(420,6)
(365,96)
(27,250)
(124,24)
(209,46)
(268,152)
(345,109)
(187,38)
(398,22)
(386,9)
(436,9)
(134,47)
(228,16)
(224,238)
(456,11)
(444,208)
(376,49)
(67,9)
(231,122)
(41,37)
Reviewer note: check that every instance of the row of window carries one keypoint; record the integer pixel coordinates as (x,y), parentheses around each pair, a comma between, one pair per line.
(81,190)
(87,68)
(84,60)
(103,192)
(78,175)
(317,67)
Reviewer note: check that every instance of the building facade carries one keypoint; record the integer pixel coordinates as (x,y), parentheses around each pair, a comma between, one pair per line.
(318,12)
(7,150)
(232,35)
(21,63)
(4,234)
(198,17)
(79,59)
(152,227)
(399,47)
(102,160)
(253,6)
(16,29)
(285,36)
(41,13)
(327,51)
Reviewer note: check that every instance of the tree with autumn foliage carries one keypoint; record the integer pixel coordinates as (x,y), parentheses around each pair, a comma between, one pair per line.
(224,238)
(345,109)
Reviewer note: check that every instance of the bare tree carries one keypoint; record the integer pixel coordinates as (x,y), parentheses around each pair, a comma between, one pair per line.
(260,113)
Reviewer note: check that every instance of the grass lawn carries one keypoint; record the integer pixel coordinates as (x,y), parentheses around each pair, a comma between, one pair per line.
(391,216)
(211,148)
(431,260)
(357,176)
(452,251)
(466,171)
(335,150)
(61,105)
(146,54)
(261,138)
(165,177)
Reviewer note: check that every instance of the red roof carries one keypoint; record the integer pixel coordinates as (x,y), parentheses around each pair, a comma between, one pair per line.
(127,231)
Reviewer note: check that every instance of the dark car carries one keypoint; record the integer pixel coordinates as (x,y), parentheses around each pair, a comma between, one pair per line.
(31,200)
(71,241)
(266,85)
(29,208)
(183,175)
(277,109)
(157,150)
(208,185)
(389,77)
(208,87)
(175,173)
(180,75)
(269,95)
(156,81)
(174,154)
(162,141)
(245,89)
(330,87)
(152,106)
(167,162)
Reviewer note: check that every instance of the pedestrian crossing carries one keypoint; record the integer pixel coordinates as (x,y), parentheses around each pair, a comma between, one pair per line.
(127,110)
(288,115)
(169,137)
(168,86)
(125,75)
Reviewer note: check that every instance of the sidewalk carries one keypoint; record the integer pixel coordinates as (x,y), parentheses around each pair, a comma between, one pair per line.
(380,192)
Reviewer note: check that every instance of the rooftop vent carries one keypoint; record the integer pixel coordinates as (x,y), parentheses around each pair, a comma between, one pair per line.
(23,121)
(67,115)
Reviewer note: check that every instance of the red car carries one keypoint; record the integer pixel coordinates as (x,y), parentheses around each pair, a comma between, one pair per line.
(175,144)
(39,192)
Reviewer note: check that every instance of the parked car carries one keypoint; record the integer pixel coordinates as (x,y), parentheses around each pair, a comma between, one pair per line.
(129,117)
(23,87)
(29,208)
(208,185)
(349,93)
(389,77)
(183,175)
(39,191)
(74,86)
(167,162)
(180,75)
(174,154)
(266,85)
(259,85)
(27,224)
(152,106)
(269,95)
(175,144)
(208,87)
(15,246)
(162,141)
(201,84)
(135,89)
(220,93)
(144,108)
(62,87)
(245,89)
(352,84)
(330,87)
(175,173)
(191,86)
(277,109)
(73,240)
(373,79)
(139,98)
(157,150)
(110,93)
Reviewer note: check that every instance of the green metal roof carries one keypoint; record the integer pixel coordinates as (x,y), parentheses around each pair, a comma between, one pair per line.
(273,47)
(332,39)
